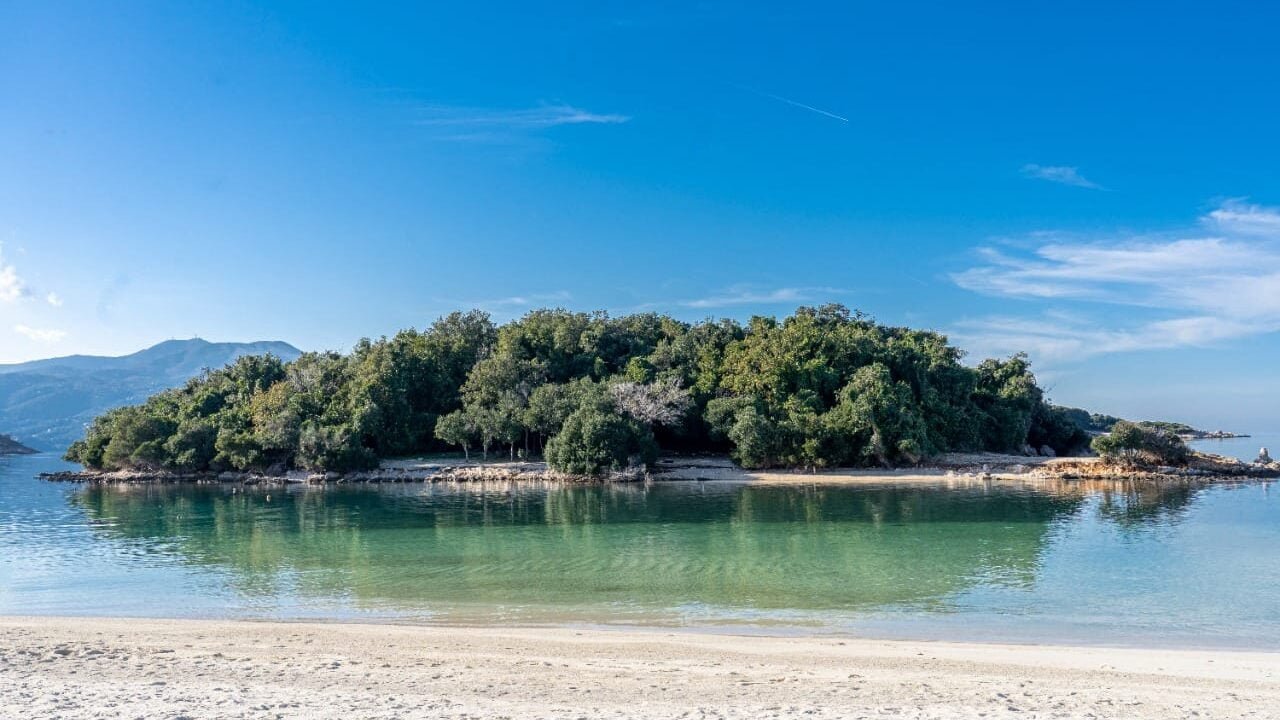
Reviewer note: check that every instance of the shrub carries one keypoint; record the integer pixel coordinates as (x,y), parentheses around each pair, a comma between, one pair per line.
(1136,444)
(594,441)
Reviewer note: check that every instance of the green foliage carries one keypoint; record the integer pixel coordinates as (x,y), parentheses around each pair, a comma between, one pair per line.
(1174,428)
(595,439)
(1007,394)
(883,416)
(1141,444)
(823,387)
(829,387)
(457,428)
(1087,421)
(1058,428)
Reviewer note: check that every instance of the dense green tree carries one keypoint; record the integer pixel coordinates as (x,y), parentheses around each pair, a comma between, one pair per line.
(1008,395)
(457,428)
(551,404)
(595,440)
(823,387)
(883,416)
(1057,428)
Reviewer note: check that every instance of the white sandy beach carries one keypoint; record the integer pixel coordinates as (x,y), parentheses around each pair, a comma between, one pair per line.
(120,668)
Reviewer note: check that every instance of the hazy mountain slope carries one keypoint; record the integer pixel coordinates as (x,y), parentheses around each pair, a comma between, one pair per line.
(9,446)
(46,403)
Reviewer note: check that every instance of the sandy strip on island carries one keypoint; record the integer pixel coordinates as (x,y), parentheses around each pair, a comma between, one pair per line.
(120,668)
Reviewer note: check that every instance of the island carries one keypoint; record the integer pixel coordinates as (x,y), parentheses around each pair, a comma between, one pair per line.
(585,396)
(9,446)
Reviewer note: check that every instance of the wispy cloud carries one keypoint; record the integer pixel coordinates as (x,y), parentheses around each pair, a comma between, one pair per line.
(1062,174)
(485,123)
(40,334)
(513,303)
(1145,292)
(1244,218)
(745,295)
(795,103)
(12,286)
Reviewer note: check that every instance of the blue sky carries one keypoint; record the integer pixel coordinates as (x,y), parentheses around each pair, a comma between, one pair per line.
(1094,183)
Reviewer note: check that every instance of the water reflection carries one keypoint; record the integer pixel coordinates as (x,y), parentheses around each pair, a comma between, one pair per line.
(606,550)
(1186,565)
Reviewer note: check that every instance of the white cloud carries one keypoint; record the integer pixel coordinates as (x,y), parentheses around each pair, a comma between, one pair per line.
(1136,272)
(11,285)
(1244,218)
(1146,292)
(53,299)
(1051,339)
(743,295)
(1063,174)
(40,334)
(506,306)
(558,296)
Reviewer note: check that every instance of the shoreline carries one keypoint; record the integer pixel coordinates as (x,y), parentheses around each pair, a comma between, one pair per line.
(1203,467)
(95,667)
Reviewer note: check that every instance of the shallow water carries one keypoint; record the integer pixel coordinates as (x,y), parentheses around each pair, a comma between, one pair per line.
(961,560)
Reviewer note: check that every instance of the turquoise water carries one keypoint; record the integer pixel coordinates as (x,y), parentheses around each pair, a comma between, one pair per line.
(1182,566)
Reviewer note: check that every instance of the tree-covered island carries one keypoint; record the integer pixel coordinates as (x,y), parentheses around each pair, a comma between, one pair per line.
(824,387)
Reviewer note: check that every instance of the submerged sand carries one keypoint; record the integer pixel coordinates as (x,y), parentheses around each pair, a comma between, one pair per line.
(118,668)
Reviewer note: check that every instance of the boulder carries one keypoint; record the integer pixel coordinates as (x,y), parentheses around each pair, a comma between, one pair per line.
(1046,451)
(1264,457)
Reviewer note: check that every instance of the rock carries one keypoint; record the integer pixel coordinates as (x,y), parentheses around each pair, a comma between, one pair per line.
(1046,451)
(1264,457)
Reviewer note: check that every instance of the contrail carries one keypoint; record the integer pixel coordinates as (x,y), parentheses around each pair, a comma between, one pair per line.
(789,101)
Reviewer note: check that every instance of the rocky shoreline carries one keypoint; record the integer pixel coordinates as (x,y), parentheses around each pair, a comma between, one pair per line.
(418,473)
(1202,466)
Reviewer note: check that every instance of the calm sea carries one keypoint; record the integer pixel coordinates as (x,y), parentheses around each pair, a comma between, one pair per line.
(1245,448)
(1179,566)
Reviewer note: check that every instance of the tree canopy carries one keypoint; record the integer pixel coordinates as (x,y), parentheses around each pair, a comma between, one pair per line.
(823,387)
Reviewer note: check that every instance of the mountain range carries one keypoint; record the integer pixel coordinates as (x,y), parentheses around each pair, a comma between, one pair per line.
(47,403)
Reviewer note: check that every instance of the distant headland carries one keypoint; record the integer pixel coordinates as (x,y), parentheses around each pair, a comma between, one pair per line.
(9,446)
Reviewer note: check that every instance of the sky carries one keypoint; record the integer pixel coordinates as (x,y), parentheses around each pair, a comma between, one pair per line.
(1092,183)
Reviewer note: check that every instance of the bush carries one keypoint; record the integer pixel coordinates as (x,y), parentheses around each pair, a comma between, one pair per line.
(594,441)
(1136,444)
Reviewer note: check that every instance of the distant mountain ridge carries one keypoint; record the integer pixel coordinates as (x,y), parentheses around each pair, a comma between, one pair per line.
(47,403)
